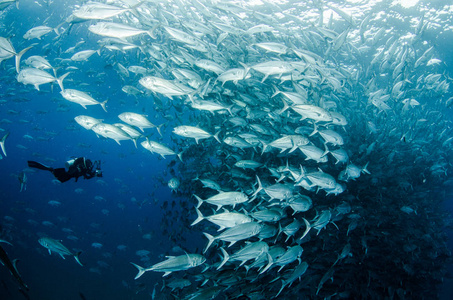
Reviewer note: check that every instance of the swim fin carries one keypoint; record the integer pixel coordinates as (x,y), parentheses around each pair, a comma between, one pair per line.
(37,165)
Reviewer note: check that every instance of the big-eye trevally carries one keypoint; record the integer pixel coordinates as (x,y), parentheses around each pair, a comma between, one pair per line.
(57,247)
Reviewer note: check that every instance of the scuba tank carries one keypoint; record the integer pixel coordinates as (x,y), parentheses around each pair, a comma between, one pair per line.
(69,163)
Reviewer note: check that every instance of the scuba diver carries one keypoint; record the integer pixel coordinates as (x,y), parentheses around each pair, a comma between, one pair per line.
(76,168)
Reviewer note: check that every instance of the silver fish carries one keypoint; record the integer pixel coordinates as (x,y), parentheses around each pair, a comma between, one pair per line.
(87,122)
(194,132)
(84,55)
(165,87)
(235,234)
(155,147)
(81,98)
(38,32)
(223,220)
(173,264)
(224,198)
(2,143)
(100,11)
(111,132)
(118,30)
(137,120)
(37,77)
(250,251)
(57,247)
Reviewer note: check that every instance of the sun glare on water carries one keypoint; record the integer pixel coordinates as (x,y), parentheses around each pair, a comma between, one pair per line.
(407,3)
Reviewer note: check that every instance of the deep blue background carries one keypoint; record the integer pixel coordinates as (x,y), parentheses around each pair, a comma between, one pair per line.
(129,173)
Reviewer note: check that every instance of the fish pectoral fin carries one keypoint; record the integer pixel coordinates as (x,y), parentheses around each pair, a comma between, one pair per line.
(76,257)
(166,273)
(62,256)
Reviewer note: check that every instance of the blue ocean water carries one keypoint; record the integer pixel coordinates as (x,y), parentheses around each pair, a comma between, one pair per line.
(131,188)
(131,205)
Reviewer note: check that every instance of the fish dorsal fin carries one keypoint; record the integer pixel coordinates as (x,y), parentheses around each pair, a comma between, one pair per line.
(188,256)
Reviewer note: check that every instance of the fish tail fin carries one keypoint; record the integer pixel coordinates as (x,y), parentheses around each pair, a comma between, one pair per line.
(307,229)
(103,105)
(265,145)
(260,187)
(55,71)
(60,80)
(287,238)
(269,264)
(141,271)
(226,257)
(19,55)
(247,268)
(199,218)
(2,143)
(216,136)
(200,201)
(229,109)
(204,90)
(15,261)
(285,107)
(277,91)
(76,257)
(364,169)
(158,129)
(279,230)
(326,151)
(179,155)
(55,29)
(315,130)
(281,289)
(6,242)
(210,240)
(247,69)
(302,171)
(133,9)
(21,282)
(151,32)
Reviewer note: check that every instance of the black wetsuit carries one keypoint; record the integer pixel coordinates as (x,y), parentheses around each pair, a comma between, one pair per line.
(80,167)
